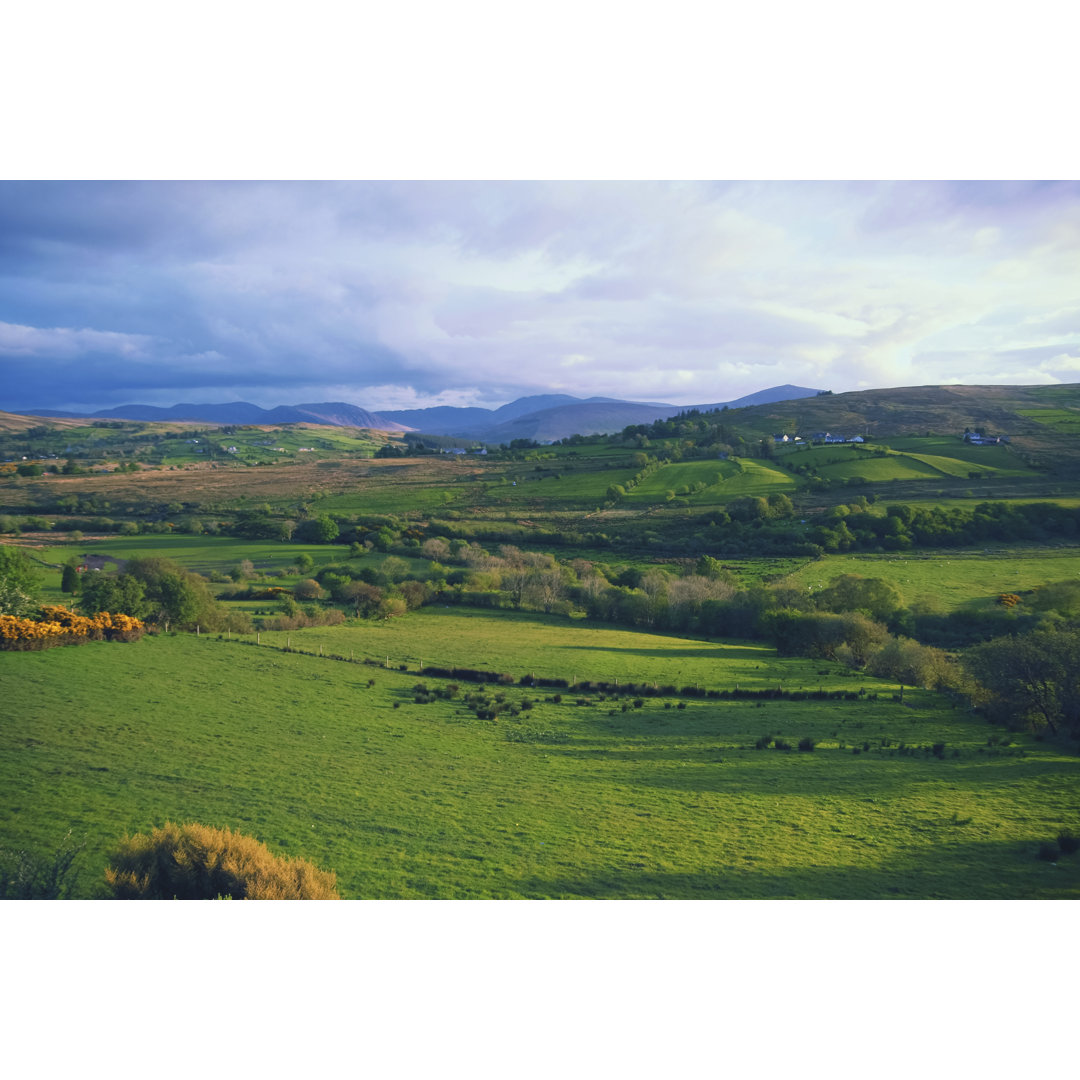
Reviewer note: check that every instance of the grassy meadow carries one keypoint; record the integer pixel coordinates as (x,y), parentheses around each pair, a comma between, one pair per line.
(337,763)
(949,581)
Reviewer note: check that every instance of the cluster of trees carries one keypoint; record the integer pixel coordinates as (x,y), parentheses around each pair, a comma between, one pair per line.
(19,582)
(1033,678)
(705,434)
(753,526)
(160,592)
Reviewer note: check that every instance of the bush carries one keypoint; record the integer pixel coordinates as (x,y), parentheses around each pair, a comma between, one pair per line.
(197,862)
(806,744)
(1049,851)
(1068,841)
(25,875)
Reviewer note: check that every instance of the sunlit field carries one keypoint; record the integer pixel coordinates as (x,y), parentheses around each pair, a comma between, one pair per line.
(577,796)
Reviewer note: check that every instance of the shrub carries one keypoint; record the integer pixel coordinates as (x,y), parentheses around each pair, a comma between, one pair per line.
(1049,851)
(58,626)
(197,862)
(781,744)
(806,744)
(25,875)
(1068,841)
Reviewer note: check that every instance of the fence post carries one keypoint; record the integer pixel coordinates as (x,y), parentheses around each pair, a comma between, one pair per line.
(258,638)
(196,629)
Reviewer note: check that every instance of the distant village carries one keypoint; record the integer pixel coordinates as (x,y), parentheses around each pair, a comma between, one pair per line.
(975,438)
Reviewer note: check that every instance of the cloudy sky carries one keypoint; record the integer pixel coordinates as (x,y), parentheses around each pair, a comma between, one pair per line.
(400,295)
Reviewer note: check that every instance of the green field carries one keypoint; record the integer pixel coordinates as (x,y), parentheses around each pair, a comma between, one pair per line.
(909,459)
(1060,421)
(757,478)
(999,459)
(524,644)
(522,486)
(201,554)
(681,477)
(880,470)
(427,801)
(401,498)
(948,581)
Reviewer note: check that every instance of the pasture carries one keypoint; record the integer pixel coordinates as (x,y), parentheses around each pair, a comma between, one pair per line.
(681,478)
(949,581)
(758,478)
(407,800)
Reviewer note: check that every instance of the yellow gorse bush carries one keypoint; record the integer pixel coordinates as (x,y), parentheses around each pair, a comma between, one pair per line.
(59,626)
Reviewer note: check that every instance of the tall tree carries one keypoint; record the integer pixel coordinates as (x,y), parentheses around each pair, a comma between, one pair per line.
(1034,675)
(19,581)
(69,580)
(120,594)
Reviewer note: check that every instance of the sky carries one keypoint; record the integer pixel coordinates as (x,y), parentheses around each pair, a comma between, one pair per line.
(410,294)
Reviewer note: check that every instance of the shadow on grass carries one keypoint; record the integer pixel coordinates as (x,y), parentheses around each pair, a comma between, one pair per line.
(967,871)
(751,651)
(779,772)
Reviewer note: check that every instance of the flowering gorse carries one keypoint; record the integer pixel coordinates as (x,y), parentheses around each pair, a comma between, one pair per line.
(59,626)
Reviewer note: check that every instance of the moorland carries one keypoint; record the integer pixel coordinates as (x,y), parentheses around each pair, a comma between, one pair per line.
(685,659)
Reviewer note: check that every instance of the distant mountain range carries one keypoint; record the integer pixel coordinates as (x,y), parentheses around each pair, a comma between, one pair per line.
(335,413)
(543,417)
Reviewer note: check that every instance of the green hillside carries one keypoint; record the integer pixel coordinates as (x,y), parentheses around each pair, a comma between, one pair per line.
(564,800)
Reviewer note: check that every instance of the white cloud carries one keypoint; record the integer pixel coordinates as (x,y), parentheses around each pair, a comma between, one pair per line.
(685,292)
(64,343)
